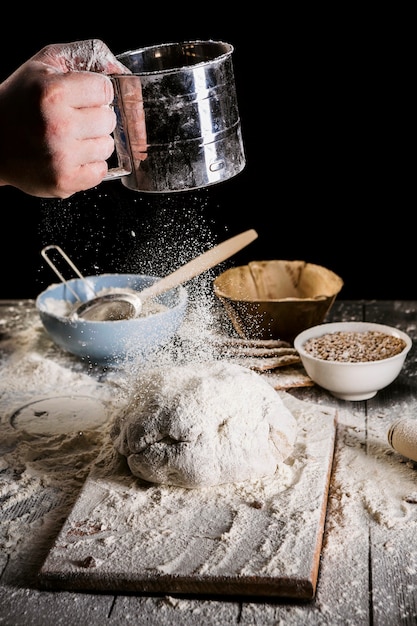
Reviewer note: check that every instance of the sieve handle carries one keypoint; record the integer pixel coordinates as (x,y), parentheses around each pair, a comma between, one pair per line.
(122,147)
(44,252)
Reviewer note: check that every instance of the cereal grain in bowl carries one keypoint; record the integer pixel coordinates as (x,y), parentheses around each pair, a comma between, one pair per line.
(355,347)
(353,360)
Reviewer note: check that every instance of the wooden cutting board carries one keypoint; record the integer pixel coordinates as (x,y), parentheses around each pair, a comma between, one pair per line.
(256,538)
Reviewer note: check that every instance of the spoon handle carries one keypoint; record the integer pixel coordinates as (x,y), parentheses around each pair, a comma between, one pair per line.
(200,264)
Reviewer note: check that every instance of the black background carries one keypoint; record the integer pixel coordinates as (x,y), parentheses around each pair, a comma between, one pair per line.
(324,111)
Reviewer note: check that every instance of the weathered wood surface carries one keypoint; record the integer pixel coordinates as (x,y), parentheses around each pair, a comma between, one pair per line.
(368,569)
(231,540)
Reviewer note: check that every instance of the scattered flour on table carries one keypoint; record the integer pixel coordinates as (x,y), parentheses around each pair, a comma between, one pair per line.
(51,467)
(264,527)
(53,414)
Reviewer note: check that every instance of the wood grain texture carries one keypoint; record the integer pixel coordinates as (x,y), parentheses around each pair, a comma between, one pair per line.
(253,538)
(367,571)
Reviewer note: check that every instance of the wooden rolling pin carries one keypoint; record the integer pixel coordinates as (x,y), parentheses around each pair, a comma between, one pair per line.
(402,437)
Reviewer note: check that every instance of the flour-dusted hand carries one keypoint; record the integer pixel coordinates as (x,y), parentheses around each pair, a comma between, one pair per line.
(56,120)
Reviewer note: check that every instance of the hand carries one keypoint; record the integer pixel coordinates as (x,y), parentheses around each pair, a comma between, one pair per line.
(56,120)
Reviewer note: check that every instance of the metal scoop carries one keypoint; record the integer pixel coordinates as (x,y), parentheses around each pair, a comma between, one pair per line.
(127,305)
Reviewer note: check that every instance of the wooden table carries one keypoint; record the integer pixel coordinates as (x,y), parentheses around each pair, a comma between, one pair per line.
(368,567)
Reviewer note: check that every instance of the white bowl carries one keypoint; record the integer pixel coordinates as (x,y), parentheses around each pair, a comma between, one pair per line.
(350,380)
(110,343)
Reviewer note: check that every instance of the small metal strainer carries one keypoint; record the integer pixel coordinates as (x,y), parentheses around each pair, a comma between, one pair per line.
(99,308)
(124,305)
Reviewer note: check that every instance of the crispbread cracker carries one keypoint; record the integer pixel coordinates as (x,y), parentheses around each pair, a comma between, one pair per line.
(263,364)
(275,359)
(288,377)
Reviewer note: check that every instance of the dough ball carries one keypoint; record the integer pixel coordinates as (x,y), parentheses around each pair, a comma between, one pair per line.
(203,424)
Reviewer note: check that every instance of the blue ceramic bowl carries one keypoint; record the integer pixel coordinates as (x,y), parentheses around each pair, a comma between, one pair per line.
(110,343)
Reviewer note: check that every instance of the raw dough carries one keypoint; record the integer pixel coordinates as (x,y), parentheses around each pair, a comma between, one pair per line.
(203,424)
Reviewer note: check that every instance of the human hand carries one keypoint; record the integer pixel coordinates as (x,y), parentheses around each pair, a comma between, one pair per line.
(56,120)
